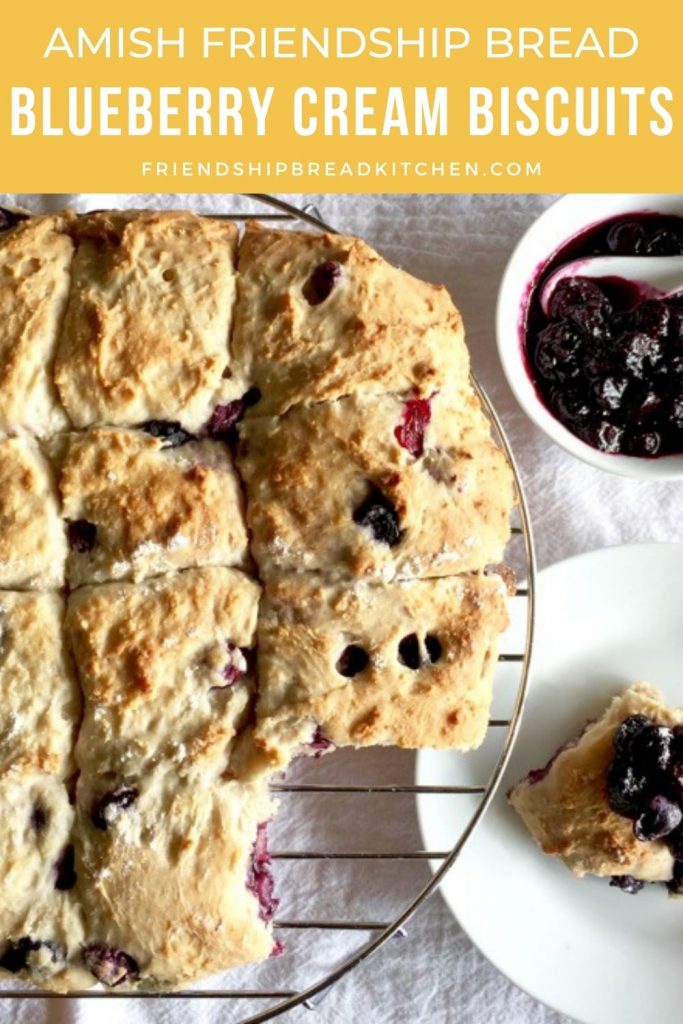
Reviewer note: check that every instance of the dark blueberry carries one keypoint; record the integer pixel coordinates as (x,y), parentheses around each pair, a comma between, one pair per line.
(236,664)
(169,431)
(677,743)
(320,742)
(82,536)
(675,886)
(626,788)
(626,238)
(8,218)
(627,883)
(609,392)
(409,652)
(626,731)
(557,352)
(38,818)
(652,318)
(223,419)
(582,302)
(379,515)
(433,647)
(411,431)
(18,955)
(321,282)
(352,660)
(570,405)
(660,817)
(259,878)
(66,870)
(642,443)
(111,966)
(650,748)
(664,242)
(111,804)
(638,353)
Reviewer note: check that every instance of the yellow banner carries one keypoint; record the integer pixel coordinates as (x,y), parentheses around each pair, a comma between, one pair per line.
(353,97)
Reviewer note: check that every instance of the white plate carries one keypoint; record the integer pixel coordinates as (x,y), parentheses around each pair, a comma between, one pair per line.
(605,619)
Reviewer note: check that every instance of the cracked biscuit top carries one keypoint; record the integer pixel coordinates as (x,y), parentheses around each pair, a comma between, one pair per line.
(321,316)
(35,261)
(408,664)
(376,487)
(148,321)
(138,506)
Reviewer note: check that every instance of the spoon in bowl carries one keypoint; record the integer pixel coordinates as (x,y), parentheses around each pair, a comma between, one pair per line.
(656,277)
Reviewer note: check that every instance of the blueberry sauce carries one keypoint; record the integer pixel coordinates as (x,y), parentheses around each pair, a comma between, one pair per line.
(643,784)
(606,358)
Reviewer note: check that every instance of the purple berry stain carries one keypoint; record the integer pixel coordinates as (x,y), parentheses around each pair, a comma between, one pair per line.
(410,432)
(110,965)
(260,880)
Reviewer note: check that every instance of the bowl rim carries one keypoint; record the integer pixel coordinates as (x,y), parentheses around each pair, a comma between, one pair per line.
(584,209)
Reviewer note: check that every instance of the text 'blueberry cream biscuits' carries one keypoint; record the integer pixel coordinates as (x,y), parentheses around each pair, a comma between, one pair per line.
(249,503)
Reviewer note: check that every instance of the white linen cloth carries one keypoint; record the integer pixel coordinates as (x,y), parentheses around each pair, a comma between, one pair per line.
(434,975)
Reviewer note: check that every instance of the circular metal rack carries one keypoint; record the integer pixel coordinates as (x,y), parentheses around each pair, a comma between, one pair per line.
(309,995)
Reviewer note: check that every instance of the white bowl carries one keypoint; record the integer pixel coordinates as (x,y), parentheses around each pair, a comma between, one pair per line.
(566,218)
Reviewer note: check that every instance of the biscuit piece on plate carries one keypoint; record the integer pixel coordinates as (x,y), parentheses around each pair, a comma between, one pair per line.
(32,535)
(320,316)
(377,486)
(165,670)
(39,695)
(568,805)
(171,877)
(139,505)
(35,257)
(147,326)
(409,664)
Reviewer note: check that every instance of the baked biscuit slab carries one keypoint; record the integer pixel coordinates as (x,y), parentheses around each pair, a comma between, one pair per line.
(41,926)
(35,260)
(148,507)
(164,668)
(374,487)
(409,664)
(147,326)
(165,883)
(32,534)
(321,316)
(39,696)
(565,806)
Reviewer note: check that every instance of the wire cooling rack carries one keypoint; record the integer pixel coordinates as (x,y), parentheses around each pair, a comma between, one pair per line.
(321,782)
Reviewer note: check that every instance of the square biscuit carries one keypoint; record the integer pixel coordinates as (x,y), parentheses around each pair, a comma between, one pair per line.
(333,488)
(41,924)
(409,664)
(321,316)
(39,696)
(148,321)
(32,535)
(35,261)
(140,507)
(179,859)
(165,669)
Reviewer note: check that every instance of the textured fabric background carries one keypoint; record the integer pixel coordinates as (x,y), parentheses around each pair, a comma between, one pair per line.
(433,975)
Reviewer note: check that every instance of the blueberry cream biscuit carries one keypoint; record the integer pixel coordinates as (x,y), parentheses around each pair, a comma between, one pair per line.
(249,505)
(610,802)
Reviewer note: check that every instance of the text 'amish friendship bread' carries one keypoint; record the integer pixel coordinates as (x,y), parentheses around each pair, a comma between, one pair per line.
(249,506)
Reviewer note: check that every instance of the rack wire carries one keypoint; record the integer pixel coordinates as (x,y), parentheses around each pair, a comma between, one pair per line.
(286,998)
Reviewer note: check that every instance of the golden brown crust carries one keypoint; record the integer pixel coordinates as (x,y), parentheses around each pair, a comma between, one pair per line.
(567,811)
(147,325)
(35,261)
(306,624)
(32,535)
(379,330)
(307,473)
(155,508)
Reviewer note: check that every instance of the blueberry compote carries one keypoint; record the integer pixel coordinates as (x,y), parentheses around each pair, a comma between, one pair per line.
(607,357)
(645,784)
